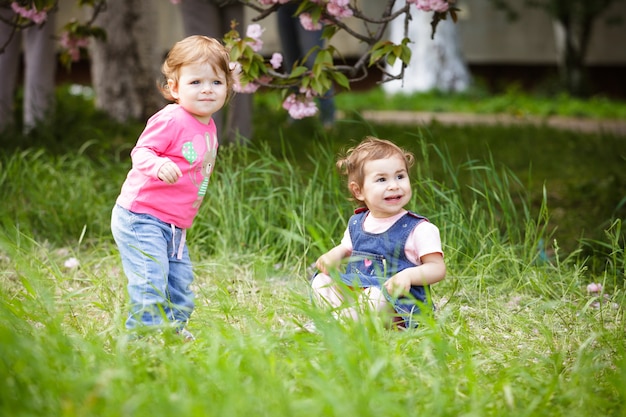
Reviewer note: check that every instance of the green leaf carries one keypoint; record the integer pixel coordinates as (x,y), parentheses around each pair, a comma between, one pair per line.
(298,71)
(405,55)
(341,79)
(376,56)
(379,50)
(324,57)
(329,31)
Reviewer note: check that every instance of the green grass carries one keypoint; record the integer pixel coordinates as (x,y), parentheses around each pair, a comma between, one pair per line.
(580,175)
(514,333)
(513,102)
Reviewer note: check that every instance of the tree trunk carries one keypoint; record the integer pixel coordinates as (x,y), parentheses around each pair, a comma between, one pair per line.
(573,22)
(572,32)
(125,67)
(436,64)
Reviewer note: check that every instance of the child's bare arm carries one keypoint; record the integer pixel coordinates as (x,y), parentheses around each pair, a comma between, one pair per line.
(431,271)
(331,259)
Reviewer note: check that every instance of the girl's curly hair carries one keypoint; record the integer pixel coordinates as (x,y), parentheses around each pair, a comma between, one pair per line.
(370,149)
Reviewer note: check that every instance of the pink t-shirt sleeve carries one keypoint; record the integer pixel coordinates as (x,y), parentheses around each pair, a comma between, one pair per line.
(423,240)
(346,242)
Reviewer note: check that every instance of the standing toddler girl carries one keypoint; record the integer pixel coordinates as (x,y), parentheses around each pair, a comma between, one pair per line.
(171,165)
(394,254)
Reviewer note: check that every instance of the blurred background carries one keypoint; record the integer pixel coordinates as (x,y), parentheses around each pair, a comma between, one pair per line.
(497,50)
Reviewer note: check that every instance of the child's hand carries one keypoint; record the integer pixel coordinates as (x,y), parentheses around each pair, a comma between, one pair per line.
(398,284)
(169,173)
(432,270)
(331,259)
(323,263)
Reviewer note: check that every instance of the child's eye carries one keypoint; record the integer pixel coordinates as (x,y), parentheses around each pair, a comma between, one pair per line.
(381,179)
(400,176)
(217,82)
(195,82)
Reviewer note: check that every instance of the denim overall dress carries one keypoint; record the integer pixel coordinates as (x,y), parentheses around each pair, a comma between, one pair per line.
(377,257)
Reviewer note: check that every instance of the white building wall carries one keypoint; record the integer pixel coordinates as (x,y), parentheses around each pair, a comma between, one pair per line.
(487,36)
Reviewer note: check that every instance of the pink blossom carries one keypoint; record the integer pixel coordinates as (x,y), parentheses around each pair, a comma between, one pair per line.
(337,11)
(30,14)
(254,32)
(594,287)
(277,60)
(245,89)
(72,44)
(235,67)
(439,5)
(300,107)
(339,8)
(175,1)
(256,45)
(431,5)
(307,22)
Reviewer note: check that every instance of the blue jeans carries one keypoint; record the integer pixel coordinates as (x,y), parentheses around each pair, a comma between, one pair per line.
(158,282)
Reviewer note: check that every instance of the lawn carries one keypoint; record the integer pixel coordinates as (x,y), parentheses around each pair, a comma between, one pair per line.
(529,218)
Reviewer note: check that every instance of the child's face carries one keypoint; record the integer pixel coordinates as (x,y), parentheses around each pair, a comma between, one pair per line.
(201,90)
(386,187)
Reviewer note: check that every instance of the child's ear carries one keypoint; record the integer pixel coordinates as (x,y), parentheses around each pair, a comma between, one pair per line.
(355,190)
(173,87)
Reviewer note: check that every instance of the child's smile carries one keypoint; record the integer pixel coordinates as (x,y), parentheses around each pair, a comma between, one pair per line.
(386,187)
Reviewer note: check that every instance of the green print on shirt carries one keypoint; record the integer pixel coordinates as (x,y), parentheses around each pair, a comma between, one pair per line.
(191,155)
(189,152)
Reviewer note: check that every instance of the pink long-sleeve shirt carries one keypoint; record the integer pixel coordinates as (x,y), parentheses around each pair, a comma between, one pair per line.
(172,134)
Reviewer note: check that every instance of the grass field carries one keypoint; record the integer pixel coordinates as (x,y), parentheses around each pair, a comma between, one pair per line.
(529,217)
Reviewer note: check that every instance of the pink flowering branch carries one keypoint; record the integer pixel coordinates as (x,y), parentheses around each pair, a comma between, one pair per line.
(325,73)
(25,14)
(75,35)
(30,13)
(300,85)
